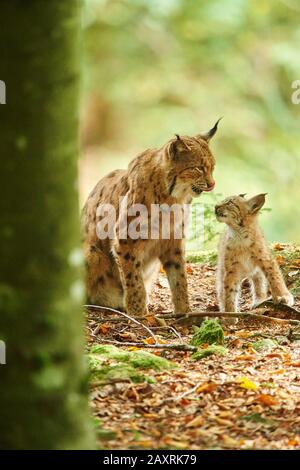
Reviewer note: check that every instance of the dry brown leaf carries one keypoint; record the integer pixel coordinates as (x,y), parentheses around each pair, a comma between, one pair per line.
(223,422)
(245,357)
(149,340)
(151,320)
(278,371)
(272,355)
(207,387)
(229,441)
(293,442)
(150,416)
(104,328)
(196,422)
(267,400)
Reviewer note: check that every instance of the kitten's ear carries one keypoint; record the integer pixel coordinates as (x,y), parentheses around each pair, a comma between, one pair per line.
(209,135)
(256,203)
(177,147)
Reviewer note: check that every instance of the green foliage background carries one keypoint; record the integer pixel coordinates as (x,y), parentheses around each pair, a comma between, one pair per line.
(158,67)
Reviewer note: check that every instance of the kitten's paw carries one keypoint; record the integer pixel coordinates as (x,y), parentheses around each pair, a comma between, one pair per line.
(287,299)
(259,301)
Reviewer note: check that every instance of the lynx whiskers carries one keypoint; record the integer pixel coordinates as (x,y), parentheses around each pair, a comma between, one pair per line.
(244,254)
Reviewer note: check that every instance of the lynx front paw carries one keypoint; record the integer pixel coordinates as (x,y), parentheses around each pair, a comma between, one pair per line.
(287,299)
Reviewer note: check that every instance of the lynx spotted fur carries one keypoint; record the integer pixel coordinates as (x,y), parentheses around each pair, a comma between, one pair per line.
(120,271)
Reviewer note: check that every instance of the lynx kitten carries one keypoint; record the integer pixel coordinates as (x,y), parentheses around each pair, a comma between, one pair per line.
(243,253)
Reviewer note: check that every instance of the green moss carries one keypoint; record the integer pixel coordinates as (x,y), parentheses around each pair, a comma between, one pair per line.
(265,344)
(108,363)
(110,373)
(212,349)
(210,332)
(136,359)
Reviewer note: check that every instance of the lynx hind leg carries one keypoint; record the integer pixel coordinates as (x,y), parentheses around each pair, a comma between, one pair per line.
(279,290)
(130,267)
(102,282)
(259,287)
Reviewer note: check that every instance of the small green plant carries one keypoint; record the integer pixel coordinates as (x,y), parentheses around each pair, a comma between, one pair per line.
(257,418)
(210,332)
(265,344)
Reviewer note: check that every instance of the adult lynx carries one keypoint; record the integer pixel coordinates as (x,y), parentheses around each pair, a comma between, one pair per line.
(120,270)
(244,253)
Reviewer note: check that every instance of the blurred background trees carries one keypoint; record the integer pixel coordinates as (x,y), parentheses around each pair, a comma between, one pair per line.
(159,67)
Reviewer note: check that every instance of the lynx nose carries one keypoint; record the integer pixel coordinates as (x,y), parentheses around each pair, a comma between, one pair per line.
(210,186)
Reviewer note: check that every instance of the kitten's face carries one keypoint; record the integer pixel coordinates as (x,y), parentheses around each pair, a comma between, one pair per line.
(236,210)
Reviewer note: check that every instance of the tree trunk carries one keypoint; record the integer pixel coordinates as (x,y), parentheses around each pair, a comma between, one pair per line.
(43,386)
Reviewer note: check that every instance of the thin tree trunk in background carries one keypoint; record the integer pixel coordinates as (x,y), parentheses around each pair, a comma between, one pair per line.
(43,389)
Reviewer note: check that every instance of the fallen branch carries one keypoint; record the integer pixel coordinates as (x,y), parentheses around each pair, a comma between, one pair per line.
(185,317)
(269,303)
(176,347)
(134,320)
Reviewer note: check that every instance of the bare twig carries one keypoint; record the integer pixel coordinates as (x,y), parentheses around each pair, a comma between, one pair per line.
(176,347)
(185,394)
(171,328)
(134,320)
(191,390)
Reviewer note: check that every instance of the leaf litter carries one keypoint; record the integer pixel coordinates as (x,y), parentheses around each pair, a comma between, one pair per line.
(248,398)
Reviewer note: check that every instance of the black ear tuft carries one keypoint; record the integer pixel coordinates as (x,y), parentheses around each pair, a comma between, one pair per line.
(209,135)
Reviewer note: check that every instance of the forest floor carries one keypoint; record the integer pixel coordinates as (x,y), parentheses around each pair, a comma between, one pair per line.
(246,399)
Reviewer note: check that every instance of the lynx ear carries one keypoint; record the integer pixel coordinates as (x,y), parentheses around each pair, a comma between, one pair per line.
(209,135)
(178,146)
(256,203)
